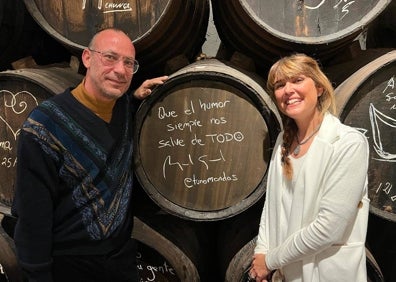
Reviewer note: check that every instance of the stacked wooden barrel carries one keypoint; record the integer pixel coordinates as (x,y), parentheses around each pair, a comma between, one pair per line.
(203,140)
(266,30)
(162,30)
(367,101)
(22,36)
(192,138)
(21,91)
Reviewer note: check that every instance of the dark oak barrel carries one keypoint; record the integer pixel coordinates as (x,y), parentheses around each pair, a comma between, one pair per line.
(160,29)
(203,141)
(9,269)
(238,268)
(20,91)
(374,273)
(381,241)
(367,101)
(22,37)
(160,257)
(382,32)
(152,266)
(233,236)
(339,72)
(13,28)
(265,30)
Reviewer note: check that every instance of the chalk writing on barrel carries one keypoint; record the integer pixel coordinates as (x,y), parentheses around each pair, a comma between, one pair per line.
(344,9)
(377,118)
(383,127)
(110,7)
(14,105)
(190,182)
(387,189)
(8,162)
(148,271)
(193,143)
(201,160)
(389,92)
(5,145)
(17,106)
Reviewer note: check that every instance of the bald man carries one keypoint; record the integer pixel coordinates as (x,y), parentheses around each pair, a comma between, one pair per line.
(74,173)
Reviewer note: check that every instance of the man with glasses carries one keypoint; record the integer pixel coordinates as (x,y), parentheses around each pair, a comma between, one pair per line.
(74,173)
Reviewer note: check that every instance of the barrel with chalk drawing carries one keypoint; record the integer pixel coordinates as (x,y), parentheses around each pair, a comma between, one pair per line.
(367,101)
(20,91)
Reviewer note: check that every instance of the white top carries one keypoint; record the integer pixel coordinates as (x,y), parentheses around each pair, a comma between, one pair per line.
(287,193)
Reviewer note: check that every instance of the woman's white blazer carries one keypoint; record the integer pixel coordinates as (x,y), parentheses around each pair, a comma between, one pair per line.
(326,230)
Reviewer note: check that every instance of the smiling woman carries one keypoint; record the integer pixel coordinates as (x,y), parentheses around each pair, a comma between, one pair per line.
(313,173)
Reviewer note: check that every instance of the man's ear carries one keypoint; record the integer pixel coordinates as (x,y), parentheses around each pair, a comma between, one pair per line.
(86,58)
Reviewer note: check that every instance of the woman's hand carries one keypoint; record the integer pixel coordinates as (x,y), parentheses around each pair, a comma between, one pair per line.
(259,270)
(147,86)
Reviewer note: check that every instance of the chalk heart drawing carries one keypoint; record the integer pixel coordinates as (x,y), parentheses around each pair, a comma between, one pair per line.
(15,104)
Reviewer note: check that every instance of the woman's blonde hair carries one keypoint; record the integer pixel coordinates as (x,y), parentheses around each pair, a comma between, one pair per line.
(290,67)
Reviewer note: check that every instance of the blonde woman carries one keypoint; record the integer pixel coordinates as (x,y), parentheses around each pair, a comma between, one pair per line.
(314,222)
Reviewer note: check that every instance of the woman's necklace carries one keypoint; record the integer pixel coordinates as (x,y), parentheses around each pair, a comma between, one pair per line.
(296,151)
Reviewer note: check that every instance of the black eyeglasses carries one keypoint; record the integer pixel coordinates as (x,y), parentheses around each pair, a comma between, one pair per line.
(109,58)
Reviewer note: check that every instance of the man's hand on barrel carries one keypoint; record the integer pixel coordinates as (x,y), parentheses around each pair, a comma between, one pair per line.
(147,86)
